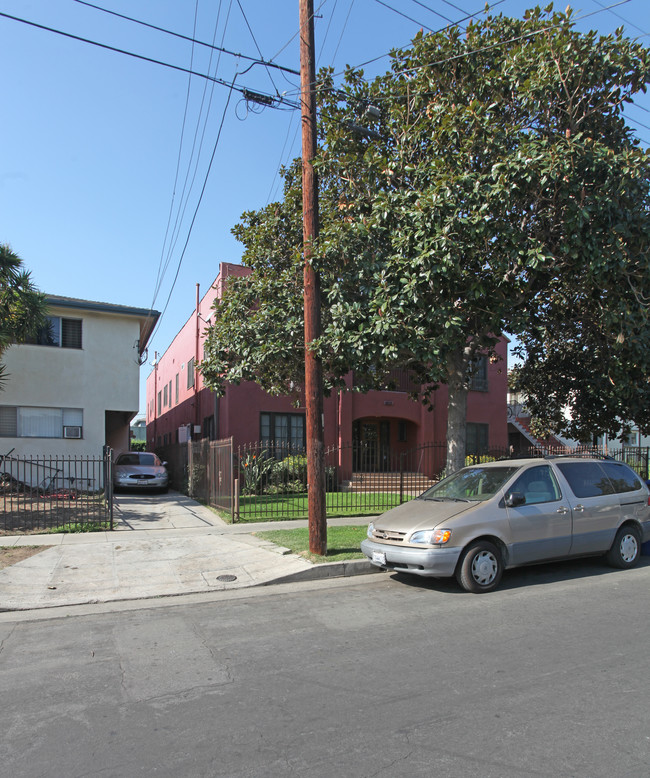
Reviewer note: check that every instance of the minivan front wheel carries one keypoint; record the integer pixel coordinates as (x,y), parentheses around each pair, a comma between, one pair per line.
(626,548)
(480,568)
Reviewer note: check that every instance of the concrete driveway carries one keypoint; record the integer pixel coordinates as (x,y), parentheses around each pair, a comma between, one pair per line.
(173,510)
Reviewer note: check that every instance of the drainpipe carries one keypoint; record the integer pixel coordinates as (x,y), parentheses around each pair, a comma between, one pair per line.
(155,400)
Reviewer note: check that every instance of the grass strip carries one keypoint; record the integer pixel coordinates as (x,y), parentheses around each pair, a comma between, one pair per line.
(342,542)
(79,527)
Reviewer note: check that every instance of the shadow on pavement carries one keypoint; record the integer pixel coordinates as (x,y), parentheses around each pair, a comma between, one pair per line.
(520,577)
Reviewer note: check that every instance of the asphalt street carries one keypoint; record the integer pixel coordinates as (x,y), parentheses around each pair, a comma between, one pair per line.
(371,676)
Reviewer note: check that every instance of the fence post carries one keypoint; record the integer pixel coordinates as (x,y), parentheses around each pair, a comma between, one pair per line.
(401,478)
(108,481)
(235,513)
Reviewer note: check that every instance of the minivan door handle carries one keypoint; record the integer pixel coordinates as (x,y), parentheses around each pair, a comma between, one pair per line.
(562,509)
(579,507)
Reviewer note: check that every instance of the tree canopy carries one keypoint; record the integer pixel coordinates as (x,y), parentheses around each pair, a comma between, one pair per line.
(22,306)
(486,184)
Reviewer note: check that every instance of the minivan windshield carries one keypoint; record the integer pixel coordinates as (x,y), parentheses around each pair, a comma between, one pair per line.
(471,483)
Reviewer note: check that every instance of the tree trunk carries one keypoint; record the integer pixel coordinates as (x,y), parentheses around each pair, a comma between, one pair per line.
(458,386)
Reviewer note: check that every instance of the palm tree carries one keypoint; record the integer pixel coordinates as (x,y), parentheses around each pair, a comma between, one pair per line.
(22,306)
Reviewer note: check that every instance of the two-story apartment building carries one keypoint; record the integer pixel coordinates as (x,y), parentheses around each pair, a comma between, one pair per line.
(75,388)
(179,407)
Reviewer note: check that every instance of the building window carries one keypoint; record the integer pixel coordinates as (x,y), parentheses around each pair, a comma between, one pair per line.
(32,422)
(159,403)
(477,437)
(190,373)
(631,438)
(479,374)
(59,331)
(176,392)
(401,431)
(283,430)
(165,396)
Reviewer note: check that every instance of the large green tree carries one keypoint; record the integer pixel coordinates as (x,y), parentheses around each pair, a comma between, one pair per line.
(22,306)
(498,190)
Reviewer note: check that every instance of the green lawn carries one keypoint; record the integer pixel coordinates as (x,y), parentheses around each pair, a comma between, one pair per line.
(342,542)
(280,507)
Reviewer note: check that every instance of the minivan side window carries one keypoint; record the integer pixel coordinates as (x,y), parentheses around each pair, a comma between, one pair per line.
(586,479)
(622,477)
(537,484)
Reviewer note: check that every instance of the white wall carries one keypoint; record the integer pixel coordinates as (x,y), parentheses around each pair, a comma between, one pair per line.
(101,376)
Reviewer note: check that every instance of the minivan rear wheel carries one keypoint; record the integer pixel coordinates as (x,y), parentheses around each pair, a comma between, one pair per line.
(626,548)
(480,568)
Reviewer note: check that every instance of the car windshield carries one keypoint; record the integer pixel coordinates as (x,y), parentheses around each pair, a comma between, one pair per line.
(471,483)
(136,459)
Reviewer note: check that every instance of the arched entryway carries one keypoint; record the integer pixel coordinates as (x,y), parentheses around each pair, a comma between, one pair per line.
(378,442)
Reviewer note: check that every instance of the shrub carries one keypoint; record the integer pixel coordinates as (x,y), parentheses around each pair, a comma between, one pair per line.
(254,471)
(290,470)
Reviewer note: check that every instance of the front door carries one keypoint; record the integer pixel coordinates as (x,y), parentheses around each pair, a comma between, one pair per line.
(372,453)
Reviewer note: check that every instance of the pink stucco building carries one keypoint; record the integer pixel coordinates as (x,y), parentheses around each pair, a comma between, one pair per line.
(179,406)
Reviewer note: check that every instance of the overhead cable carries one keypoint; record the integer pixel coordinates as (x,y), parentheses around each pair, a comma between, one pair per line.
(187,38)
(281,99)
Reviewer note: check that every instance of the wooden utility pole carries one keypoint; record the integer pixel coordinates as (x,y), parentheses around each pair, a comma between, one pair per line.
(313,365)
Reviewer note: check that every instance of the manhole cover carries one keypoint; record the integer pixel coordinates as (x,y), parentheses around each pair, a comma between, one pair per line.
(226,578)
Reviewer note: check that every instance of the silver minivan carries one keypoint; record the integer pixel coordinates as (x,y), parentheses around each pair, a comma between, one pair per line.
(490,517)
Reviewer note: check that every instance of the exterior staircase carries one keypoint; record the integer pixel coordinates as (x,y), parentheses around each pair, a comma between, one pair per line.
(410,483)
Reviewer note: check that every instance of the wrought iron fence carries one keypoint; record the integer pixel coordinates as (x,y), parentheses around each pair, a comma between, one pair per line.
(44,493)
(210,473)
(262,482)
(360,479)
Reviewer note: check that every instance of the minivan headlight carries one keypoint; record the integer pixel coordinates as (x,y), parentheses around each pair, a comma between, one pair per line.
(370,530)
(431,537)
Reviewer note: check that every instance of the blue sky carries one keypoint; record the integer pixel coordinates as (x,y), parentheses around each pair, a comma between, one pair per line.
(105,156)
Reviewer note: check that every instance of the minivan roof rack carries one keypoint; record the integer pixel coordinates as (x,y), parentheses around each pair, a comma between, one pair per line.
(578,455)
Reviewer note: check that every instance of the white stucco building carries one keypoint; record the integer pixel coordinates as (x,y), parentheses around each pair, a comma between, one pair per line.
(77,388)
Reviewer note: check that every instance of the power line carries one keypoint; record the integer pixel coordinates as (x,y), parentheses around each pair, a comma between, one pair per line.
(460,21)
(198,205)
(410,18)
(192,40)
(295,35)
(276,98)
(181,213)
(451,5)
(257,47)
(161,265)
(471,52)
(274,183)
(181,210)
(345,24)
(622,18)
(327,31)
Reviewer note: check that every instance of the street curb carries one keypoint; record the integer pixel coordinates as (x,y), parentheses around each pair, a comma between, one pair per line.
(328,570)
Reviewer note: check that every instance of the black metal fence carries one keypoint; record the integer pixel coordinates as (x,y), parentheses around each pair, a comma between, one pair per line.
(210,469)
(263,482)
(39,494)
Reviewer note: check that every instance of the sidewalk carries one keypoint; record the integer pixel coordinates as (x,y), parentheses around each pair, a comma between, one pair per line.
(160,546)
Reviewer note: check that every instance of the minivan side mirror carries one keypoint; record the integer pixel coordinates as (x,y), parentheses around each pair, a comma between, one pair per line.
(513,499)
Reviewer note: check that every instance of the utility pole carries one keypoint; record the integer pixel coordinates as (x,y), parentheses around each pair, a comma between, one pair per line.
(195,382)
(313,365)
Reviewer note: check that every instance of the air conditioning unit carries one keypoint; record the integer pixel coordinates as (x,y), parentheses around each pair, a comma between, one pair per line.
(72,432)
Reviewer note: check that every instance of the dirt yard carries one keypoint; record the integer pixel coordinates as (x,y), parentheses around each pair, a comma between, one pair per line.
(9,555)
(26,514)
